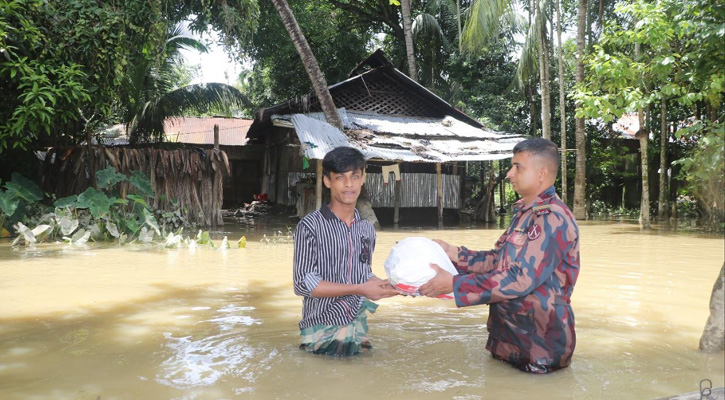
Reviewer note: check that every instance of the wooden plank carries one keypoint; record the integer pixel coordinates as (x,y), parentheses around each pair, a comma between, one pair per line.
(439,186)
(318,188)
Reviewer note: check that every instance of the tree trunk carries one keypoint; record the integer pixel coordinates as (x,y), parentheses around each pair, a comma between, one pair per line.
(562,104)
(532,107)
(644,221)
(713,336)
(544,75)
(662,206)
(643,136)
(91,159)
(409,50)
(439,194)
(580,178)
(458,16)
(364,205)
(310,62)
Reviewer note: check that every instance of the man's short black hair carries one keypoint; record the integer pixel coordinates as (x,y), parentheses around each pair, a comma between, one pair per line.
(540,147)
(343,159)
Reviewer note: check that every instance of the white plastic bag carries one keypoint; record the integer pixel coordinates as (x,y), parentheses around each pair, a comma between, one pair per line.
(408,264)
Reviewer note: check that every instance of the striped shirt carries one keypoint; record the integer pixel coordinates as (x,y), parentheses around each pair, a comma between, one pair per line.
(327,249)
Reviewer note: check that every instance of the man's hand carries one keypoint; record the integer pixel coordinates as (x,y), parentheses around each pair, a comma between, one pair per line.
(376,289)
(440,284)
(451,251)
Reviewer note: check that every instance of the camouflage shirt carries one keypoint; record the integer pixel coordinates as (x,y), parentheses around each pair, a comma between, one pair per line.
(528,280)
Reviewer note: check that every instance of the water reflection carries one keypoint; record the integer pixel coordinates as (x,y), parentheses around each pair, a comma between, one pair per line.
(145,323)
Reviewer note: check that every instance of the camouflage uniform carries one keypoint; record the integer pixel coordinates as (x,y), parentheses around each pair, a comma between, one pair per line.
(528,279)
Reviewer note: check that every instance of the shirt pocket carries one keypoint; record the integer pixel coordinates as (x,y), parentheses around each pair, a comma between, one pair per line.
(515,243)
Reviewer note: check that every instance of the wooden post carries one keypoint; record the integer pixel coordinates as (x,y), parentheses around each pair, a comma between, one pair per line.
(216,137)
(501,187)
(396,212)
(439,177)
(318,188)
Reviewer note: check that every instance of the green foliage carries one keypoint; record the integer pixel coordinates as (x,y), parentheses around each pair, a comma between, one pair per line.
(704,169)
(92,215)
(109,177)
(338,43)
(64,63)
(681,57)
(18,193)
(152,93)
(485,90)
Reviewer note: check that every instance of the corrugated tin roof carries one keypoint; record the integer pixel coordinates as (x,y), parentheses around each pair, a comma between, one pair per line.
(200,130)
(194,130)
(400,138)
(627,126)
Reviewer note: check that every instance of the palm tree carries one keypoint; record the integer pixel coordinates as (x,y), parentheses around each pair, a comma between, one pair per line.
(580,211)
(433,28)
(310,62)
(323,95)
(562,103)
(409,49)
(543,73)
(151,95)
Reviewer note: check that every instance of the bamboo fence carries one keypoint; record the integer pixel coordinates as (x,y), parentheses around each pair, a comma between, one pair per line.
(193,177)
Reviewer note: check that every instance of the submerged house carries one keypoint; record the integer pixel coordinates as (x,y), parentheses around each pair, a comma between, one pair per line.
(399,125)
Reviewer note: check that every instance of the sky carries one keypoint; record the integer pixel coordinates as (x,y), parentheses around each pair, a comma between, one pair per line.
(215,64)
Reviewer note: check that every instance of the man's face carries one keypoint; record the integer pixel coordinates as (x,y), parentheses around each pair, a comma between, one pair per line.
(526,174)
(345,187)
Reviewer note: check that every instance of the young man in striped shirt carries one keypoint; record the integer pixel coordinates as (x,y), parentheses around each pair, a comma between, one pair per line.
(333,250)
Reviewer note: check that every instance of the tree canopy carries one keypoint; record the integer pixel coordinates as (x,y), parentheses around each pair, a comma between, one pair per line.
(64,64)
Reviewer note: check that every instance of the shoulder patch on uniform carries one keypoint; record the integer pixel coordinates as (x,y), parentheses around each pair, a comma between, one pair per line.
(542,209)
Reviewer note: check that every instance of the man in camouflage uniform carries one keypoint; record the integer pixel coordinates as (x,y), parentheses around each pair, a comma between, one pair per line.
(529,277)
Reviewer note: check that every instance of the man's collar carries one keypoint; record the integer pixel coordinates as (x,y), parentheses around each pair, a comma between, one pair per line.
(328,214)
(543,198)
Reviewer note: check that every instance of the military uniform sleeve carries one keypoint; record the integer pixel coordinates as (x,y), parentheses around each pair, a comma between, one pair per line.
(535,262)
(477,262)
(305,275)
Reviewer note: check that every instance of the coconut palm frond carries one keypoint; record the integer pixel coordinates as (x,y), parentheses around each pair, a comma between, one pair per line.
(483,23)
(148,124)
(426,26)
(528,64)
(177,43)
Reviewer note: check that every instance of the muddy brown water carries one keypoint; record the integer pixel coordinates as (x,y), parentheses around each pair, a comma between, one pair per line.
(133,322)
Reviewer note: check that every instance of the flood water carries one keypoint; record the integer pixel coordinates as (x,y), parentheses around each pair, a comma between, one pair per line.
(109,322)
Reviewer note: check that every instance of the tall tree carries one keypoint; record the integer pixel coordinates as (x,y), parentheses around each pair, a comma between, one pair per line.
(665,50)
(151,93)
(409,49)
(333,34)
(662,203)
(310,62)
(65,61)
(580,211)
(544,72)
(562,103)
(320,86)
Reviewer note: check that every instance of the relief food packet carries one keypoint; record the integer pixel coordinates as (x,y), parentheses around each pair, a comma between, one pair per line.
(408,264)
